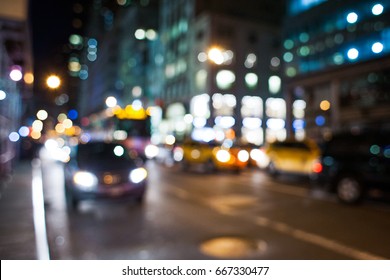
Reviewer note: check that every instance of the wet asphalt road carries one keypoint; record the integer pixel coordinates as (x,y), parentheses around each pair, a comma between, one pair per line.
(188,215)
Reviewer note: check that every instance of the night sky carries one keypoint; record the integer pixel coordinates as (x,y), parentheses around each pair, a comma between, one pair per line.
(51,25)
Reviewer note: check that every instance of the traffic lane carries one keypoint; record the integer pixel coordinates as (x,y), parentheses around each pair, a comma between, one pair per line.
(175,221)
(364,226)
(296,211)
(170,225)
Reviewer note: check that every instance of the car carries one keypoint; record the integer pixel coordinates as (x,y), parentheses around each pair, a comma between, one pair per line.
(291,156)
(210,156)
(104,170)
(355,164)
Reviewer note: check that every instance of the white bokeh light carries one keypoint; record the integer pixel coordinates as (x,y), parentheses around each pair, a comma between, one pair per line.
(377,9)
(16,75)
(377,47)
(352,17)
(111,101)
(3,95)
(353,54)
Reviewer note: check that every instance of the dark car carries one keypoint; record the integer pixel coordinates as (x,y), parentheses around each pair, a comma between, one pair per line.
(100,170)
(354,164)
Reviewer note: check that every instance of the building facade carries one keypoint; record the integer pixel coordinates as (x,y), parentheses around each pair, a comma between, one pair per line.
(222,70)
(16,78)
(115,56)
(336,58)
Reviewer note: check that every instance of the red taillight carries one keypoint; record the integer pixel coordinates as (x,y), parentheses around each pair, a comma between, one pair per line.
(317,167)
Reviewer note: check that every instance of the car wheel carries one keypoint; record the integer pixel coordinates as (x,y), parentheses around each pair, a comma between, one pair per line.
(210,167)
(349,189)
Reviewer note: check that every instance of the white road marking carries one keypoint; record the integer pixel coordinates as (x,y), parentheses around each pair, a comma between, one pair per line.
(316,239)
(39,212)
(286,229)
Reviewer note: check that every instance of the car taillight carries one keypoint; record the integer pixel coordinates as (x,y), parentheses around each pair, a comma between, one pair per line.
(317,167)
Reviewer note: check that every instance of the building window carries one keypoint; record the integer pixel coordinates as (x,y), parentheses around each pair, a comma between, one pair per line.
(274,84)
(250,60)
(251,80)
(225,79)
(224,104)
(275,109)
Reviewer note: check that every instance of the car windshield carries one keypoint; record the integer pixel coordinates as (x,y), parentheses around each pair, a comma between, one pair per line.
(96,155)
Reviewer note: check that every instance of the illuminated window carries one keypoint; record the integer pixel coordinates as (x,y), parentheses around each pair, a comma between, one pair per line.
(275,62)
(288,57)
(304,51)
(275,108)
(75,39)
(304,37)
(3,95)
(225,79)
(298,6)
(320,121)
(325,105)
(225,121)
(169,71)
(299,107)
(199,106)
(251,80)
(224,104)
(377,9)
(338,59)
(202,57)
(201,79)
(377,47)
(250,60)
(291,71)
(251,106)
(254,136)
(353,54)
(274,84)
(352,17)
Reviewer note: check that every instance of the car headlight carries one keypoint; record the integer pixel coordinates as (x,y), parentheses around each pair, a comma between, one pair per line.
(151,151)
(178,154)
(260,157)
(85,180)
(223,156)
(138,175)
(243,156)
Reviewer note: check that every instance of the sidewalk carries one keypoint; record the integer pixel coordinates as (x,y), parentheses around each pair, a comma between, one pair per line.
(17,235)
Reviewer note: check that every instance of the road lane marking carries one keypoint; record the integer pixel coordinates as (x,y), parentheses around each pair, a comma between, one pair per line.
(316,239)
(39,212)
(288,230)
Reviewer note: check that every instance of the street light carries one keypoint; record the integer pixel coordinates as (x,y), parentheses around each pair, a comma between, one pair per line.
(53,81)
(216,56)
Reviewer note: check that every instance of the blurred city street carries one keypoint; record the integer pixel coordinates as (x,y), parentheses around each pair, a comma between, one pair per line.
(190,215)
(193,129)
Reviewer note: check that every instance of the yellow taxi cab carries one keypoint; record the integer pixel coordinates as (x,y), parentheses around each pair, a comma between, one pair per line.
(292,156)
(210,156)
